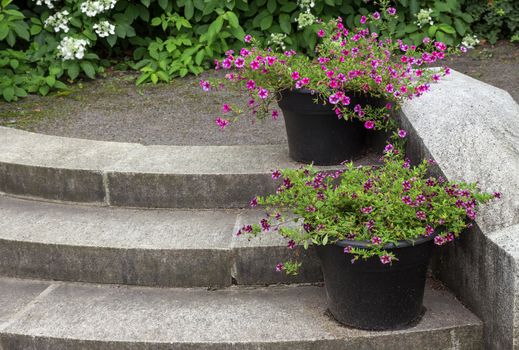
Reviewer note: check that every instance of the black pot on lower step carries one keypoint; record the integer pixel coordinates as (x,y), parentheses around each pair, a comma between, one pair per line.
(314,132)
(369,295)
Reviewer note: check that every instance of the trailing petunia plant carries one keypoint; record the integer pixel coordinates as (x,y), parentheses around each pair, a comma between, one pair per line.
(379,205)
(348,63)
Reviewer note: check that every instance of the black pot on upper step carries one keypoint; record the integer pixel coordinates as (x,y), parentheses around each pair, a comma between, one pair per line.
(315,134)
(370,295)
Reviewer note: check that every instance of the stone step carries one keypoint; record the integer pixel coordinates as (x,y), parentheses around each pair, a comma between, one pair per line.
(134,175)
(39,315)
(152,247)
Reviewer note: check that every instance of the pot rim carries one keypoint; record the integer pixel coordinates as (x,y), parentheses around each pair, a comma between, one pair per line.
(400,244)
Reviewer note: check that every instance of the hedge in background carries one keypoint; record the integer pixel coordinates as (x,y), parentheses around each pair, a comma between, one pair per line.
(46,42)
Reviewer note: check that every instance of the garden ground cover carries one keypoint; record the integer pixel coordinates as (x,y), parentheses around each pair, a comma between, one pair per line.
(179,113)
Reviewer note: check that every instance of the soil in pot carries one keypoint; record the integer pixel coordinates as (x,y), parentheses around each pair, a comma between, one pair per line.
(315,134)
(369,295)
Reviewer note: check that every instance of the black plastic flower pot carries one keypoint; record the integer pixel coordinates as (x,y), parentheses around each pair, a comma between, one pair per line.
(314,132)
(370,295)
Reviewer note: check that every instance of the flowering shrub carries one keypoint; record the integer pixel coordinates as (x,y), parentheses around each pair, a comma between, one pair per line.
(378,205)
(348,63)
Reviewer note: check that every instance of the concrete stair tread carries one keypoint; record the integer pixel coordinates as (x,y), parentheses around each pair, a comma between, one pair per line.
(134,175)
(40,315)
(165,247)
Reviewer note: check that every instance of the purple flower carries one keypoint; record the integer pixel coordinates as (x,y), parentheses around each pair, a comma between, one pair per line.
(407,200)
(263,93)
(310,209)
(402,133)
(239,62)
(406,185)
(370,124)
(291,244)
(421,215)
(439,240)
(389,148)
(376,240)
(280,267)
(276,174)
(295,75)
(265,226)
(429,230)
(426,40)
(251,84)
(390,88)
(205,85)
(321,33)
(391,11)
(376,16)
(348,249)
(247,38)
(370,224)
(254,65)
(307,227)
(385,259)
(366,210)
(226,108)
(497,195)
(253,202)
(222,123)
(275,114)
(333,99)
(363,20)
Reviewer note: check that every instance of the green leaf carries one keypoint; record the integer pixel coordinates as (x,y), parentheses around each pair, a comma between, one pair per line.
(414,7)
(233,20)
(19,92)
(432,30)
(447,28)
(271,6)
(156,21)
(8,93)
(189,9)
(50,80)
(266,22)
(14,63)
(284,22)
(4,30)
(44,90)
(146,2)
(89,69)
(289,7)
(73,71)
(199,57)
(460,26)
(163,4)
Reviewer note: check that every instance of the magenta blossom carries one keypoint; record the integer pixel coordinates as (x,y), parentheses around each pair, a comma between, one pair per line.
(391,11)
(420,215)
(376,240)
(226,108)
(348,249)
(376,16)
(370,124)
(280,267)
(247,38)
(439,240)
(276,174)
(222,123)
(251,84)
(275,114)
(321,33)
(239,62)
(363,20)
(402,133)
(205,85)
(254,202)
(295,75)
(385,259)
(366,210)
(263,93)
(291,244)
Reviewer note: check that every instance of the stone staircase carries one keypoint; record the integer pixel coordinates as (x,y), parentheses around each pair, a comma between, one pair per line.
(123,246)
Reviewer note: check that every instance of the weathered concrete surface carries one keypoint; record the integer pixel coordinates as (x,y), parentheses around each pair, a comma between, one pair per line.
(472,130)
(15,295)
(180,248)
(119,317)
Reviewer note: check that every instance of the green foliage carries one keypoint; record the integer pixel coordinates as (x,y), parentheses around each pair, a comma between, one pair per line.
(497,19)
(380,206)
(164,39)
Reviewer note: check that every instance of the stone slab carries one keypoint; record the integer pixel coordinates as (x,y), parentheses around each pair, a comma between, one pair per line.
(471,129)
(180,248)
(17,294)
(118,317)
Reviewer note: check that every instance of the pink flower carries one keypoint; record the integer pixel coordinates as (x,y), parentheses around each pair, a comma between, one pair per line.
(429,230)
(376,16)
(263,93)
(370,124)
(239,62)
(348,249)
(440,46)
(391,11)
(227,63)
(363,20)
(439,240)
(305,81)
(291,244)
(254,202)
(247,38)
(244,52)
(206,86)
(385,259)
(406,185)
(420,215)
(265,226)
(222,123)
(366,210)
(321,33)
(295,75)
(389,88)
(463,49)
(276,174)
(388,106)
(333,99)
(226,108)
(407,200)
(251,84)
(271,60)
(376,240)
(275,114)
(497,195)
(426,40)
(254,65)
(345,100)
(389,148)
(280,267)
(402,133)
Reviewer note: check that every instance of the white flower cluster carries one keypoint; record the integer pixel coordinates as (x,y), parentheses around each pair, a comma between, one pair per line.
(70,48)
(92,8)
(424,17)
(277,39)
(48,3)
(58,21)
(104,29)
(305,18)
(469,41)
